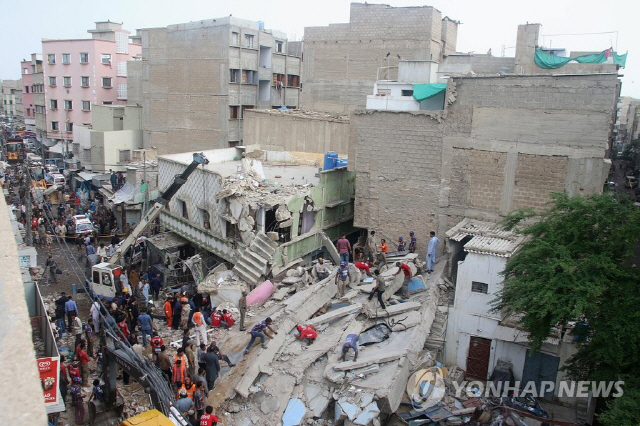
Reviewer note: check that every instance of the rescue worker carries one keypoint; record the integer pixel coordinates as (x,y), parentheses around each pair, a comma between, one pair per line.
(341,278)
(200,326)
(168,311)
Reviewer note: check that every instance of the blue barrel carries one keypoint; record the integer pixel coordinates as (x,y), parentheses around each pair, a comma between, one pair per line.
(74,290)
(342,162)
(330,159)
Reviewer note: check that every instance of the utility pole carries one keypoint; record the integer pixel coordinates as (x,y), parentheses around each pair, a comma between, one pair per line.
(146,184)
(27,193)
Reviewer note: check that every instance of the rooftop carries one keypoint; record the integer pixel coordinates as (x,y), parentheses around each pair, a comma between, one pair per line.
(276,166)
(488,238)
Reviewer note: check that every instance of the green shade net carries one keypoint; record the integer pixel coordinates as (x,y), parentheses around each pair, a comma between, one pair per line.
(549,61)
(426,91)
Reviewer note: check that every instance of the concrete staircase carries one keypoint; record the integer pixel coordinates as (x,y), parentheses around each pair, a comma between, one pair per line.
(436,337)
(252,263)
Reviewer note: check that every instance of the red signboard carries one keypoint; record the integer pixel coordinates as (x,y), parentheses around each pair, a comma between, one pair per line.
(49,376)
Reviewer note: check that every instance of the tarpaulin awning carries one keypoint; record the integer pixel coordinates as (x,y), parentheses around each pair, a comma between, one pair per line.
(548,61)
(426,91)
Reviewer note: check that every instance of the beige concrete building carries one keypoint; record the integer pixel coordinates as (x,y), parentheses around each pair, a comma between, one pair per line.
(111,139)
(196,81)
(302,131)
(500,142)
(343,61)
(12,98)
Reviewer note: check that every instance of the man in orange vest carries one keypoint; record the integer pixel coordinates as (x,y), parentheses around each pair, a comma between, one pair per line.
(200,326)
(179,373)
(168,311)
(188,386)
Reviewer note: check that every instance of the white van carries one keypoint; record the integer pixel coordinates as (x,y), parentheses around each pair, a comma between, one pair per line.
(58,179)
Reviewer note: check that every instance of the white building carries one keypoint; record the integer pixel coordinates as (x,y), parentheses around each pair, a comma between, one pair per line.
(477,338)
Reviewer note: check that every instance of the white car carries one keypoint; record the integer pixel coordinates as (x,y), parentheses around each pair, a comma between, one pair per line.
(58,179)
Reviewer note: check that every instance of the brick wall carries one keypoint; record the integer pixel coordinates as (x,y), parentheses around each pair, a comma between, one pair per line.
(504,143)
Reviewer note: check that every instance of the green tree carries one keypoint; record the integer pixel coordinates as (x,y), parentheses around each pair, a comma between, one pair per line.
(577,265)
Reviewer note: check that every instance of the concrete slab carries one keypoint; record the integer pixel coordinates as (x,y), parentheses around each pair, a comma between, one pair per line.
(294,413)
(351,410)
(376,357)
(282,293)
(396,309)
(337,313)
(367,415)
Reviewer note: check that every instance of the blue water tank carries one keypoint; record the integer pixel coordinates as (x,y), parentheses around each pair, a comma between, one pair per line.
(260,25)
(330,159)
(342,162)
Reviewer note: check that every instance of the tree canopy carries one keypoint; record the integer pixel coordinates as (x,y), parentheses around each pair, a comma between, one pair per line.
(577,264)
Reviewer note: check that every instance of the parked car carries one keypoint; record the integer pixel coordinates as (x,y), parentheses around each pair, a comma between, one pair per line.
(80,226)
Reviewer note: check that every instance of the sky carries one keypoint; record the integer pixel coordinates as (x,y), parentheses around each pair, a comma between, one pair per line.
(484,24)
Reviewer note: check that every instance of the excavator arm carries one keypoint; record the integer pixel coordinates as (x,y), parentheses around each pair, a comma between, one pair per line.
(154,211)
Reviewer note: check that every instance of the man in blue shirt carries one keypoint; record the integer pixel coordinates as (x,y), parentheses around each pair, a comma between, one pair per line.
(350,343)
(413,241)
(258,331)
(71,309)
(341,278)
(431,251)
(146,326)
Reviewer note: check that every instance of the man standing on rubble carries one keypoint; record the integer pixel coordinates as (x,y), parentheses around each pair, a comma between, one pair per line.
(168,311)
(242,307)
(378,289)
(341,278)
(212,367)
(431,251)
(200,326)
(259,331)
(344,248)
(413,241)
(403,267)
(370,247)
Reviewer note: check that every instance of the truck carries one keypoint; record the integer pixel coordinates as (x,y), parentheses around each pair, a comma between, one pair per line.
(105,278)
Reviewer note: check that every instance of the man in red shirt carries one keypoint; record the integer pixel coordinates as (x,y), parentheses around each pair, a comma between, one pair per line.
(84,362)
(363,267)
(208,419)
(307,332)
(227,319)
(407,277)
(216,319)
(344,248)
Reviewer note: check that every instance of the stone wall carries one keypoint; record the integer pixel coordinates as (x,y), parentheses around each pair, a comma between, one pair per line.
(341,61)
(502,143)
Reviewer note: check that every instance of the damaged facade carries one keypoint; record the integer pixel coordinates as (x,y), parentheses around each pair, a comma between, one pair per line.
(281,199)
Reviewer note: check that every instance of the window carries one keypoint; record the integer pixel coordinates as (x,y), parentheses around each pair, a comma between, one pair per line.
(122,91)
(26,89)
(233,112)
(106,82)
(53,103)
(121,69)
(246,107)
(204,218)
(52,81)
(66,58)
(107,102)
(69,127)
(84,58)
(407,93)
(234,76)
(84,81)
(235,39)
(182,209)
(86,106)
(124,155)
(51,58)
(250,77)
(293,80)
(248,41)
(68,104)
(478,287)
(54,126)
(105,59)
(66,81)
(278,80)
(279,46)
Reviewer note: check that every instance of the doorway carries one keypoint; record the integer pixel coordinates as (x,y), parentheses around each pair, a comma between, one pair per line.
(478,357)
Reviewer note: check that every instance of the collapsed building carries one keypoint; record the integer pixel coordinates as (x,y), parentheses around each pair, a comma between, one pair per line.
(259,209)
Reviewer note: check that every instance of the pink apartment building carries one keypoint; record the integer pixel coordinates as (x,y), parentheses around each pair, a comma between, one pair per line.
(28,102)
(84,72)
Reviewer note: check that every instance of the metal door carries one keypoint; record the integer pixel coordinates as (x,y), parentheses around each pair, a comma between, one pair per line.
(539,367)
(478,357)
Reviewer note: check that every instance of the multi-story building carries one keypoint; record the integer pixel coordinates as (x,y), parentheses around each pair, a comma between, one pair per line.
(79,73)
(343,61)
(484,144)
(200,78)
(32,90)
(12,98)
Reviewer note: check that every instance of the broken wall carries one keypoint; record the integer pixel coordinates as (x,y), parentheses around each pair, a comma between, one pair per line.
(504,143)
